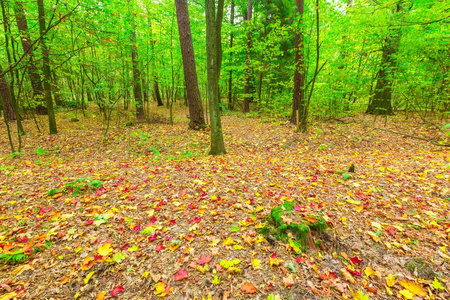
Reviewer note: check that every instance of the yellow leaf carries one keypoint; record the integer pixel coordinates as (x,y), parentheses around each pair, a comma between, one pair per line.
(275,261)
(388,290)
(238,247)
(413,288)
(76,295)
(256,264)
(228,241)
(86,280)
(369,271)
(101,295)
(390,280)
(406,294)
(145,274)
(377,225)
(105,250)
(373,236)
(9,296)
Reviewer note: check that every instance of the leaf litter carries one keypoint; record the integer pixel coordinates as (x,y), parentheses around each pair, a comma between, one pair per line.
(158,218)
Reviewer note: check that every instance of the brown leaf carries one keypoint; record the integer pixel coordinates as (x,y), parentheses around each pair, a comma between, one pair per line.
(347,275)
(248,288)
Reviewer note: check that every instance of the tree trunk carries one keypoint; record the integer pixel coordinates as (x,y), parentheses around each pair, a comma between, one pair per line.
(214,63)
(46,67)
(381,101)
(230,79)
(156,92)
(299,75)
(137,89)
(35,78)
(247,89)
(197,120)
(5,93)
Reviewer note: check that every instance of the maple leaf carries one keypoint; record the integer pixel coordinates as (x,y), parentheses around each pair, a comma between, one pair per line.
(204,260)
(101,295)
(248,288)
(160,247)
(161,290)
(288,281)
(347,275)
(105,250)
(181,274)
(116,291)
(356,260)
(390,280)
(413,288)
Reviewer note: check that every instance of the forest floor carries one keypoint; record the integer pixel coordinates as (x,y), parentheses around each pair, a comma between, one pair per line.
(149,214)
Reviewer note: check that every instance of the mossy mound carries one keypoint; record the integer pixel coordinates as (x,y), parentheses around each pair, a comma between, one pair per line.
(284,223)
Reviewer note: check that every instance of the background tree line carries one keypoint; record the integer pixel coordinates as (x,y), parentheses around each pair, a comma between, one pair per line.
(299,59)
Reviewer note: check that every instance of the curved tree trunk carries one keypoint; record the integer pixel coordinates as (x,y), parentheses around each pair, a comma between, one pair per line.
(197,120)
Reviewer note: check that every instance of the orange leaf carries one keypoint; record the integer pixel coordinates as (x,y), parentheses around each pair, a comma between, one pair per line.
(248,288)
(288,281)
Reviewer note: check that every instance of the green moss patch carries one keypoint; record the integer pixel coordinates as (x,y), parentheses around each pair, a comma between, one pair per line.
(284,223)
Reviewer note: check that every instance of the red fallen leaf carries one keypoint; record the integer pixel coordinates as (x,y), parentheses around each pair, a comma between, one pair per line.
(88,222)
(356,273)
(116,291)
(248,288)
(273,255)
(299,208)
(299,259)
(160,247)
(356,260)
(181,274)
(44,210)
(269,287)
(195,220)
(153,237)
(137,228)
(124,247)
(204,260)
(391,230)
(120,230)
(153,220)
(23,239)
(172,222)
(61,234)
(361,195)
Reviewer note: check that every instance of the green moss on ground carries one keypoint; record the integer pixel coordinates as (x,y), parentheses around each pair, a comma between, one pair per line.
(283,221)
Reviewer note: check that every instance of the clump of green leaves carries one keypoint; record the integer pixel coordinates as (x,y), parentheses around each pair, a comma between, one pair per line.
(78,186)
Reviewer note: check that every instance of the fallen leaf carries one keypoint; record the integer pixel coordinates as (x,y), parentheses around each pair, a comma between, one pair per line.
(248,288)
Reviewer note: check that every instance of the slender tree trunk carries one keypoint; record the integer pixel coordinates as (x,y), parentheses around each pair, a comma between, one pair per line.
(214,63)
(247,89)
(197,120)
(47,72)
(303,119)
(230,79)
(299,75)
(137,89)
(156,91)
(33,73)
(381,101)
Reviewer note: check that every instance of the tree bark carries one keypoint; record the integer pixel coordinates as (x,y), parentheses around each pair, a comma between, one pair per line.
(214,63)
(197,120)
(35,78)
(247,89)
(46,67)
(5,93)
(299,75)
(381,101)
